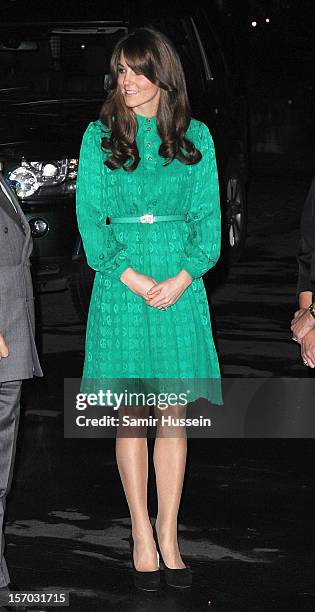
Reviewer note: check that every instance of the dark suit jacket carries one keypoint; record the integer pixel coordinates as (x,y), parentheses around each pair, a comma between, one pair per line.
(306,261)
(306,248)
(17,321)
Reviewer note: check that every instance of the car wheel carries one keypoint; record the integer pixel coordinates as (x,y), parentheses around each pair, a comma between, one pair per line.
(81,286)
(235,216)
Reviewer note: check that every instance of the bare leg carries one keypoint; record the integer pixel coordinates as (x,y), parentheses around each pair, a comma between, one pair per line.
(132,462)
(169,459)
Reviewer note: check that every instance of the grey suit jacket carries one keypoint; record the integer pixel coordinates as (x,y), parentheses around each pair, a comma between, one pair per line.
(17,320)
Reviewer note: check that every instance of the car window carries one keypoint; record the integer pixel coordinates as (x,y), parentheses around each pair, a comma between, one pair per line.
(216,60)
(67,62)
(180,31)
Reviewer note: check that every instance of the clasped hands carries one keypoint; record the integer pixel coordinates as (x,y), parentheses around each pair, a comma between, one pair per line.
(303,330)
(158,295)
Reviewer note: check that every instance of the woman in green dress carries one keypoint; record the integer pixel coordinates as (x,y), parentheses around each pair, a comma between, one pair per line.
(151,169)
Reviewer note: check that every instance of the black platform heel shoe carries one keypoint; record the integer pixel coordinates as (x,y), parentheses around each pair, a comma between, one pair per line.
(178,578)
(146,581)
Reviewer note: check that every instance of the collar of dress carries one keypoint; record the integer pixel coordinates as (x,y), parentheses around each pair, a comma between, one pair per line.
(145,122)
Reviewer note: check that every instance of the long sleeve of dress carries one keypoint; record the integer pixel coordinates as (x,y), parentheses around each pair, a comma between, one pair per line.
(103,251)
(202,249)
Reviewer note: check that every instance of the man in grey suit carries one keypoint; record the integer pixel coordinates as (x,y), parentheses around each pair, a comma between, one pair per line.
(18,355)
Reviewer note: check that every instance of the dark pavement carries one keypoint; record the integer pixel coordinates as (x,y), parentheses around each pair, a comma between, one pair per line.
(247,515)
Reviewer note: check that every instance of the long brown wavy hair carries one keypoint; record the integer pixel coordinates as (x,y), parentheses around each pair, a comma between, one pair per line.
(149,52)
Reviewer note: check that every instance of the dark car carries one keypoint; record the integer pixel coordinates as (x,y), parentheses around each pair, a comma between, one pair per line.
(54,78)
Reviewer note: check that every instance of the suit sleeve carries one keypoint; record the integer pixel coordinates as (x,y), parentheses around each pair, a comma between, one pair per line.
(306,262)
(103,251)
(202,249)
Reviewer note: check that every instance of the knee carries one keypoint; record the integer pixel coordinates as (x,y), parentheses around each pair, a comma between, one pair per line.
(133,422)
(177,411)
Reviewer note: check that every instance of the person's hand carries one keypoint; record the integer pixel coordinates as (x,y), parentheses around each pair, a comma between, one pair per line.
(302,323)
(299,313)
(4,351)
(137,282)
(308,349)
(167,292)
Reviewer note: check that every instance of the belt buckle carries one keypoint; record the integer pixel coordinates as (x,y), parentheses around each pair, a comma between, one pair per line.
(147,218)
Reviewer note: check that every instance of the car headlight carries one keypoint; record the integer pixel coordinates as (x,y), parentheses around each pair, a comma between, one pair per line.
(27,178)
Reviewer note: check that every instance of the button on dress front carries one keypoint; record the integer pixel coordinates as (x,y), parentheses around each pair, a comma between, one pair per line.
(125,337)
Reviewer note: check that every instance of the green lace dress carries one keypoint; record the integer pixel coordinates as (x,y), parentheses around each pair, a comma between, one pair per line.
(125,337)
